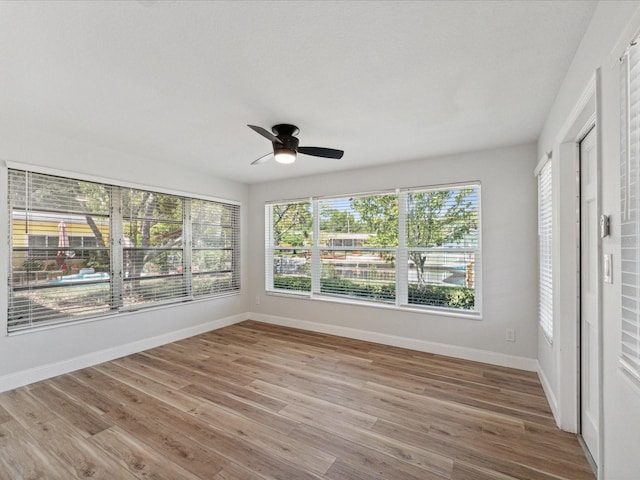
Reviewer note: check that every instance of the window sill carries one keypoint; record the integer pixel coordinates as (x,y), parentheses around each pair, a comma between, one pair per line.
(372,304)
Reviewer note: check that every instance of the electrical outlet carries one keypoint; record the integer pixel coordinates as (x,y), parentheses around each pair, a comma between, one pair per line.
(510,336)
(258,300)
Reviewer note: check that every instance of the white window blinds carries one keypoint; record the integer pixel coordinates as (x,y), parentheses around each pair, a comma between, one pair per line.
(358,246)
(630,210)
(215,258)
(80,249)
(152,247)
(288,244)
(443,246)
(417,247)
(50,278)
(545,257)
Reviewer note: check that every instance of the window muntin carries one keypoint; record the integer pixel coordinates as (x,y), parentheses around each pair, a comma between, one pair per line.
(376,247)
(81,249)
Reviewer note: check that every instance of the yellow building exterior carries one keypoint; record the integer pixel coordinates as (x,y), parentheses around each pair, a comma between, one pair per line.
(38,243)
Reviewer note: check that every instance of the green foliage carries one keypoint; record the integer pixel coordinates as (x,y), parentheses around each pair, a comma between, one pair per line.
(385,292)
(93,197)
(292,282)
(434,219)
(292,222)
(32,265)
(293,239)
(439,218)
(432,295)
(380,217)
(328,270)
(99,261)
(442,296)
(338,221)
(169,207)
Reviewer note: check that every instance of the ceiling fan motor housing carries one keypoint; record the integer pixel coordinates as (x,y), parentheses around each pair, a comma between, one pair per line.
(285,133)
(285,129)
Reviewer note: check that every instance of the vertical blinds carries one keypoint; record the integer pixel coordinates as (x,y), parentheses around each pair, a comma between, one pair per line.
(630,210)
(79,249)
(545,258)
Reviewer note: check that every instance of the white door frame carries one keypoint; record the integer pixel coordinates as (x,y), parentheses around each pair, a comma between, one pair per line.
(584,116)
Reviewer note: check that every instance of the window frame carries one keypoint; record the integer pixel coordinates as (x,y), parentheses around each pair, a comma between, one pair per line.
(114,247)
(400,251)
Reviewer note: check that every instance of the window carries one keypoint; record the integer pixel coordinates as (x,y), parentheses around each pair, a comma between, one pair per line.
(289,238)
(81,249)
(630,210)
(545,257)
(215,256)
(408,248)
(442,246)
(49,243)
(152,247)
(358,240)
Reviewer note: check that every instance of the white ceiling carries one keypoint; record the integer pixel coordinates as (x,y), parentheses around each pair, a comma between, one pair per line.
(177,82)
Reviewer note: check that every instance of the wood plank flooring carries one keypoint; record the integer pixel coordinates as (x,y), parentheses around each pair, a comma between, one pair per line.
(256,401)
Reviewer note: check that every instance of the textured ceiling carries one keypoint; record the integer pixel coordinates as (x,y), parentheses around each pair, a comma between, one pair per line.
(177,82)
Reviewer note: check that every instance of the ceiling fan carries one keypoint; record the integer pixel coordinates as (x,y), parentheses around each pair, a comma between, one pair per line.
(285,145)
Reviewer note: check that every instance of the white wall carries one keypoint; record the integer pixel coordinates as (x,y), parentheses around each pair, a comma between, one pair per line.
(509,274)
(31,356)
(611,28)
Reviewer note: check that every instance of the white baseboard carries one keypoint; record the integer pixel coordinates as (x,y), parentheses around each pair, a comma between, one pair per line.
(548,391)
(25,377)
(485,356)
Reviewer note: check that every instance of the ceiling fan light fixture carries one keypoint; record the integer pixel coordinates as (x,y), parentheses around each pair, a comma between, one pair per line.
(286,145)
(285,156)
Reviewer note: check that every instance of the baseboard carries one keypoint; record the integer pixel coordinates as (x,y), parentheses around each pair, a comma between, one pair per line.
(25,377)
(484,356)
(548,391)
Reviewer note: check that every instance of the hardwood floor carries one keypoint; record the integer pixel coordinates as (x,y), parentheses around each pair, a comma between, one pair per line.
(255,401)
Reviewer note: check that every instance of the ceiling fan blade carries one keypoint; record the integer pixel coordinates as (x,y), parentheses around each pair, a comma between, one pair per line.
(321,152)
(265,133)
(263,159)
